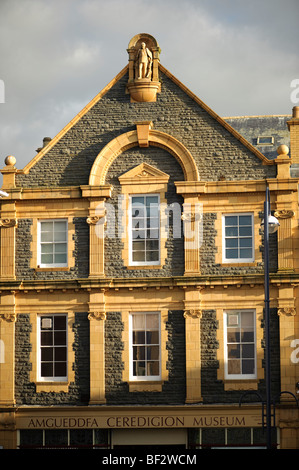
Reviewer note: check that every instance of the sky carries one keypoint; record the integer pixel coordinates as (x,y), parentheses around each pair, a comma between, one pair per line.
(239,57)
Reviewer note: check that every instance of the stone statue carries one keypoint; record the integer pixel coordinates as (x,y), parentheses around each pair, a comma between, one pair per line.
(144,59)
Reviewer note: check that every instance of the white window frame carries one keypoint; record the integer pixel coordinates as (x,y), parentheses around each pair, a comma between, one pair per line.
(39,244)
(143,263)
(41,378)
(239,376)
(237,260)
(142,378)
(261,137)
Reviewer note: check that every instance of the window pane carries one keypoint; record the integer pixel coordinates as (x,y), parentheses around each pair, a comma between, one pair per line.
(152,211)
(138,322)
(59,337)
(138,256)
(152,200)
(152,256)
(81,437)
(46,226)
(138,234)
(138,211)
(47,259)
(245,220)
(152,245)
(60,258)
(247,351)
(152,320)
(46,338)
(231,220)
(60,236)
(152,352)
(60,226)
(137,200)
(58,438)
(246,253)
(231,243)
(60,354)
(247,336)
(248,367)
(47,354)
(46,237)
(231,254)
(60,248)
(233,335)
(139,245)
(152,234)
(138,224)
(247,319)
(245,231)
(152,223)
(231,231)
(47,369)
(138,337)
(153,368)
(47,248)
(139,368)
(60,369)
(59,322)
(234,367)
(233,351)
(138,352)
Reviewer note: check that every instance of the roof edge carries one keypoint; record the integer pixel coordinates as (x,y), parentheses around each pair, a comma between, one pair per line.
(74,121)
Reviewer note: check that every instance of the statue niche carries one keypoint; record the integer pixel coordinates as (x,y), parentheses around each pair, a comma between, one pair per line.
(143,83)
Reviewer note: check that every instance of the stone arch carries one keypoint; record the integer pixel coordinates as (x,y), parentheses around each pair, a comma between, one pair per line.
(128,140)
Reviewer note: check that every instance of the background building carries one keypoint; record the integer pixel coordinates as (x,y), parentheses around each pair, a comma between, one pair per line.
(132,274)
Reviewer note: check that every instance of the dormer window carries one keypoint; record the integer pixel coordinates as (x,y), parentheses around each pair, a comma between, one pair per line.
(265,140)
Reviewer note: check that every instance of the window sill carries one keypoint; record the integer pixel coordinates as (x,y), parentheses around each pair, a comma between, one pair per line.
(239,384)
(241,264)
(55,387)
(145,386)
(147,266)
(54,268)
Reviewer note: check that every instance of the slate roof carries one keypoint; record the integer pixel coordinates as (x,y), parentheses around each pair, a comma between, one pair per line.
(253,127)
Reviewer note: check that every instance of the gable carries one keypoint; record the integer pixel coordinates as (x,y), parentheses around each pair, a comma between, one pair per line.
(145,173)
(218,150)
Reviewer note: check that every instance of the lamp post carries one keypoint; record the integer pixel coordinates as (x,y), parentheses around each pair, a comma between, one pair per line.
(270,225)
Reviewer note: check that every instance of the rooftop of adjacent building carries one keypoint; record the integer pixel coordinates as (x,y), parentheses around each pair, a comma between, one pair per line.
(266,133)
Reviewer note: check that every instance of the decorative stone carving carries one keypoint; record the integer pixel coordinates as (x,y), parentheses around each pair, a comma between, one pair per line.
(8,223)
(97,316)
(95,219)
(284,214)
(143,62)
(9,317)
(287,311)
(143,84)
(191,217)
(193,313)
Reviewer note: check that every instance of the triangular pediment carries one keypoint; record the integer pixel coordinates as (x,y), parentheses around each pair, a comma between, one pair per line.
(143,173)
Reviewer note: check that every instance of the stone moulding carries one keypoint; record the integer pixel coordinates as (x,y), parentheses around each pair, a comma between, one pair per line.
(287,311)
(97,316)
(130,139)
(192,313)
(284,214)
(8,223)
(9,317)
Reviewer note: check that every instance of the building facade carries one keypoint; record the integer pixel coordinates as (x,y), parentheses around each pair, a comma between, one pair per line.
(132,275)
